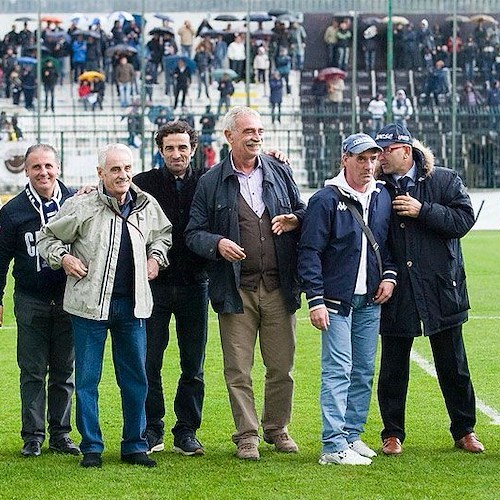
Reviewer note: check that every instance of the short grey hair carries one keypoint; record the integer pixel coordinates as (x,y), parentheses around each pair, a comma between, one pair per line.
(43,147)
(102,153)
(229,120)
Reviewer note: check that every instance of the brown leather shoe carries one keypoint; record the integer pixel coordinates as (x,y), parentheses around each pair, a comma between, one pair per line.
(470,443)
(392,446)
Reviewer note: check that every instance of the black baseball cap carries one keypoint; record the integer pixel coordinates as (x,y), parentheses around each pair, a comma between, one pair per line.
(394,132)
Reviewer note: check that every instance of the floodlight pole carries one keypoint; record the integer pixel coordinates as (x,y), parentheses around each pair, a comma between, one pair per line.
(39,72)
(354,107)
(390,61)
(143,87)
(454,90)
(247,54)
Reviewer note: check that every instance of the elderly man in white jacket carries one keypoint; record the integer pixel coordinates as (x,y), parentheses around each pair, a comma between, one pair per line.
(110,243)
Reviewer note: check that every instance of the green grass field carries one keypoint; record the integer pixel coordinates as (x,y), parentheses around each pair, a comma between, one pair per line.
(429,468)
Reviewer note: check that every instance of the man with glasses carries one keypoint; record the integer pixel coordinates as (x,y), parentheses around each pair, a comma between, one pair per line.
(431,212)
(345,283)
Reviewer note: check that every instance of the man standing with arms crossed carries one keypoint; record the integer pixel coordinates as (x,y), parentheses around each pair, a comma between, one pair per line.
(245,219)
(431,212)
(44,336)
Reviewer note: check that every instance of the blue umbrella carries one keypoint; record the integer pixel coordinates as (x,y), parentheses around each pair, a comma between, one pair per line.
(164,17)
(172,62)
(26,60)
(258,17)
(218,73)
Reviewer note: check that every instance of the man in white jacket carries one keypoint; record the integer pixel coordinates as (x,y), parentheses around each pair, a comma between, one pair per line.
(118,239)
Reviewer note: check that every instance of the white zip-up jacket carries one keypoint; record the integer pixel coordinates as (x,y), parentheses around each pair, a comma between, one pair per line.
(92,225)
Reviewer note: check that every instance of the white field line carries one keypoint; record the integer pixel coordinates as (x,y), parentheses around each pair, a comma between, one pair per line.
(430,370)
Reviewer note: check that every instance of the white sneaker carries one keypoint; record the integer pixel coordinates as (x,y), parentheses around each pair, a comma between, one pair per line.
(344,457)
(362,449)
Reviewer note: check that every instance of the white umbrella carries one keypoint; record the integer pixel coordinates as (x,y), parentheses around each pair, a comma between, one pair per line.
(80,19)
(120,15)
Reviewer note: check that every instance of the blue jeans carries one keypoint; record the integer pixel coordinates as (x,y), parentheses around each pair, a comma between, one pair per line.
(189,305)
(128,336)
(348,353)
(125,93)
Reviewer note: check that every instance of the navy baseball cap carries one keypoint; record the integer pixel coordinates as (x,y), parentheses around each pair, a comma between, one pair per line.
(358,143)
(394,132)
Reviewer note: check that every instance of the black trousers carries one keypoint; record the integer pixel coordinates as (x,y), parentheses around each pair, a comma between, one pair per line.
(45,355)
(189,305)
(453,374)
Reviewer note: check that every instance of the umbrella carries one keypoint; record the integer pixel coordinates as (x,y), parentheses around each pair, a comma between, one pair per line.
(370,32)
(51,19)
(278,12)
(164,17)
(287,17)
(261,33)
(218,73)
(54,36)
(258,17)
(26,60)
(483,18)
(226,17)
(155,111)
(78,18)
(92,34)
(162,31)
(460,19)
(121,47)
(24,19)
(213,33)
(328,73)
(55,62)
(371,20)
(172,62)
(90,75)
(396,20)
(120,15)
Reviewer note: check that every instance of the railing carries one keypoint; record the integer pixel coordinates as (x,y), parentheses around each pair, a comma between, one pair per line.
(312,141)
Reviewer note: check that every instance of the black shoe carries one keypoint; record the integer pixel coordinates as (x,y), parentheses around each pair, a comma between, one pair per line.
(91,460)
(188,445)
(32,449)
(138,459)
(65,445)
(155,441)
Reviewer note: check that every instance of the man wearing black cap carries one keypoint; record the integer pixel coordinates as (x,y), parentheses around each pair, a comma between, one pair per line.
(344,290)
(431,212)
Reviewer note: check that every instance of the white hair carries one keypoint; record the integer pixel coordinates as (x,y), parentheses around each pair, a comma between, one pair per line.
(102,153)
(229,120)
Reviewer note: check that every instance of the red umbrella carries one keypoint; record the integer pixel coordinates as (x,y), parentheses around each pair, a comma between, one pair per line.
(329,73)
(51,19)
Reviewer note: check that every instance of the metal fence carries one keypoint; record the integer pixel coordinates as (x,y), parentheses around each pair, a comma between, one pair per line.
(311,140)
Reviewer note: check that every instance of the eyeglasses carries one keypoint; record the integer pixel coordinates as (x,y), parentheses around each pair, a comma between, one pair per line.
(388,150)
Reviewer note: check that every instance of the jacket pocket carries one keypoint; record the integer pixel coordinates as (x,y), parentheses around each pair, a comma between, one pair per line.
(452,293)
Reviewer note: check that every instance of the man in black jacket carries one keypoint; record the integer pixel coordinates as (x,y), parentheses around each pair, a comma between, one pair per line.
(431,212)
(180,290)
(44,335)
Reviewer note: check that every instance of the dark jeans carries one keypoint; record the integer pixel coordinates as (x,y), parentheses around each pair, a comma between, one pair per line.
(128,342)
(44,348)
(452,370)
(189,305)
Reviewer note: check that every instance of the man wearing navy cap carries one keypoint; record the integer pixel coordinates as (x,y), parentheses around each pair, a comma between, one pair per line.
(431,212)
(345,283)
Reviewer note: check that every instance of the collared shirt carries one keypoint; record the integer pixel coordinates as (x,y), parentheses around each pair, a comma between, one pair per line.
(411,174)
(251,186)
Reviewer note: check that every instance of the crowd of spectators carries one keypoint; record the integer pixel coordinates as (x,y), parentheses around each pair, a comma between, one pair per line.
(187,55)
